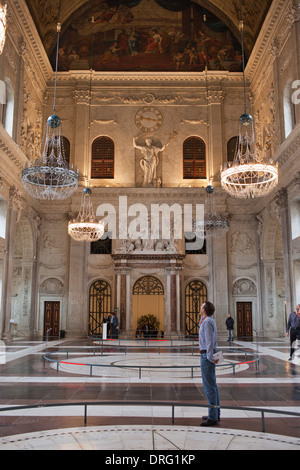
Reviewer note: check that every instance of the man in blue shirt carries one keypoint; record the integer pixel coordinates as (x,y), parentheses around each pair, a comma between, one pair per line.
(293,329)
(207,346)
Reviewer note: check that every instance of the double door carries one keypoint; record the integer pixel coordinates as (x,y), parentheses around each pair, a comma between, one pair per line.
(51,318)
(244,319)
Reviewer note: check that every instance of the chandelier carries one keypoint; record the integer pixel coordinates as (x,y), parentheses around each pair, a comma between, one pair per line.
(49,177)
(248,175)
(3,12)
(215,225)
(85,227)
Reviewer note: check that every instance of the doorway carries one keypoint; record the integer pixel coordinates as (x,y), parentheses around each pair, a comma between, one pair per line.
(195,296)
(148,298)
(100,303)
(244,319)
(51,318)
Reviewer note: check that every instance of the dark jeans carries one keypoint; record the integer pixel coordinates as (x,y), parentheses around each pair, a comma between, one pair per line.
(294,335)
(208,372)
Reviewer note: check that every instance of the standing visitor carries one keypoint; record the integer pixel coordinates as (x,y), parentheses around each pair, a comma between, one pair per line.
(229,325)
(293,329)
(207,345)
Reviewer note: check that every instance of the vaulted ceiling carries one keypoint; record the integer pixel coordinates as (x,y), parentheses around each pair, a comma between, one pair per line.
(45,15)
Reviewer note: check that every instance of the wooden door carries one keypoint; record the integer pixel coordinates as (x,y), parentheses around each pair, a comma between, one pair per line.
(51,318)
(244,318)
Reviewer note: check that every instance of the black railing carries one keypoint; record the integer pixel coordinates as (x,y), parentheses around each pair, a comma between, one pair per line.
(173,405)
(49,357)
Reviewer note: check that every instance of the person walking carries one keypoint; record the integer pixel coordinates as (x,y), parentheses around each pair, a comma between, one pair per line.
(293,329)
(229,325)
(207,345)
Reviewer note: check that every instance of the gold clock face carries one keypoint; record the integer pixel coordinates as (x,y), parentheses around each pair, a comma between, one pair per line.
(148,119)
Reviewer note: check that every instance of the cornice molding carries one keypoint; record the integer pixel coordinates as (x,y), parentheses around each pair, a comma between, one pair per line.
(37,55)
(266,41)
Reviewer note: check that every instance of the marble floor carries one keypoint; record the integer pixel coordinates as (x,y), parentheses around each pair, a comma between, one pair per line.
(118,422)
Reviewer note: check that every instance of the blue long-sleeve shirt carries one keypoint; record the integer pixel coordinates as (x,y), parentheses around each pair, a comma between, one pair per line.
(293,321)
(208,340)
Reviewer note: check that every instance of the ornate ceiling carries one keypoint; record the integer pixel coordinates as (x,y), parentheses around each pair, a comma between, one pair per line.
(114,15)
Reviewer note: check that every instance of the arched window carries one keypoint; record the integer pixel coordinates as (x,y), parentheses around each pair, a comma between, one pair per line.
(231,148)
(8,108)
(148,285)
(2,99)
(194,158)
(66,147)
(288,109)
(103,154)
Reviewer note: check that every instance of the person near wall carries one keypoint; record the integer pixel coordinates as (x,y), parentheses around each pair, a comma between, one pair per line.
(229,325)
(207,345)
(114,326)
(293,329)
(106,320)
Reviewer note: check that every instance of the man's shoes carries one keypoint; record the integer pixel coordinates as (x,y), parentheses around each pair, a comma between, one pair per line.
(290,358)
(206,418)
(209,422)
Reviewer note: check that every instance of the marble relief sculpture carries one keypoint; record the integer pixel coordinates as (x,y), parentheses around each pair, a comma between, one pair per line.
(148,246)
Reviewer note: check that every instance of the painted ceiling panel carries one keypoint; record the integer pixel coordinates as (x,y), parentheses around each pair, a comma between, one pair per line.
(148,35)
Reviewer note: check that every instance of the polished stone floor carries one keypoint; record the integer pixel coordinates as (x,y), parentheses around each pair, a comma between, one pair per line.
(26,379)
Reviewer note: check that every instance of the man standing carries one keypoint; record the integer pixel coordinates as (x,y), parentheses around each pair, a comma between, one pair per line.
(229,325)
(293,329)
(114,326)
(207,346)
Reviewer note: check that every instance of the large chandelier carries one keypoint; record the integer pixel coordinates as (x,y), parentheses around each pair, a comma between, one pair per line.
(85,227)
(3,12)
(248,175)
(49,177)
(215,225)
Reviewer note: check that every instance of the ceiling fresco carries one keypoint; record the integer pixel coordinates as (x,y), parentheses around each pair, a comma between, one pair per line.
(143,35)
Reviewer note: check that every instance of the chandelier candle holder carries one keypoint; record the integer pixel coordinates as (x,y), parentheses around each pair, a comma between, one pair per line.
(249,175)
(86,227)
(3,14)
(49,177)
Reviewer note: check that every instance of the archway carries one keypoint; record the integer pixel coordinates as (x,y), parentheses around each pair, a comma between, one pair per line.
(99,305)
(195,295)
(148,298)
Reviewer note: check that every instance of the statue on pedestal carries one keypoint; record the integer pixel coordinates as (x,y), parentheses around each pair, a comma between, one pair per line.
(150,161)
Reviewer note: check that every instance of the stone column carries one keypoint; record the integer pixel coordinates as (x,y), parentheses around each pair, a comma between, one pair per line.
(215,145)
(81,97)
(173,299)
(122,297)
(77,315)
(219,281)
(282,212)
(34,284)
(14,210)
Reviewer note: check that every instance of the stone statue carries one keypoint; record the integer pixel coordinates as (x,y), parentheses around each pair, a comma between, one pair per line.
(150,161)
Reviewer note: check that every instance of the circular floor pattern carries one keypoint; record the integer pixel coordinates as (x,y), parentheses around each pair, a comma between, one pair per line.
(113,438)
(153,365)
